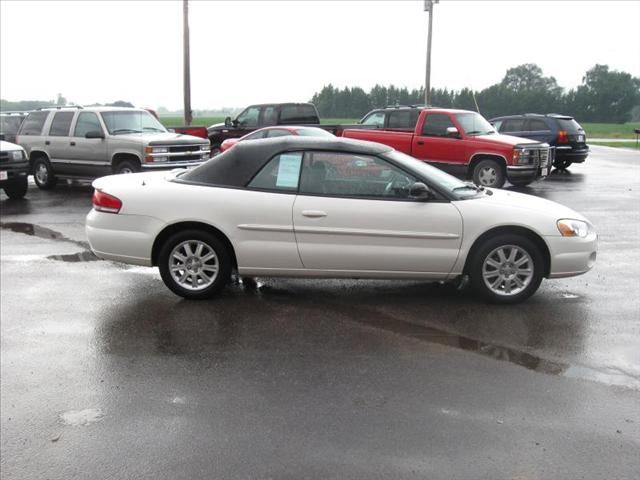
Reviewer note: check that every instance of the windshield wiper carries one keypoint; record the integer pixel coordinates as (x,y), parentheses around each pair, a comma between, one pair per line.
(125,130)
(468,185)
(478,132)
(154,129)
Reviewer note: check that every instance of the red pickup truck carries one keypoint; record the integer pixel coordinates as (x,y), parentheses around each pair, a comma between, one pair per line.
(460,142)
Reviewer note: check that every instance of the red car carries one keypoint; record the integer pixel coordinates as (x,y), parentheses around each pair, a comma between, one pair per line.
(276,131)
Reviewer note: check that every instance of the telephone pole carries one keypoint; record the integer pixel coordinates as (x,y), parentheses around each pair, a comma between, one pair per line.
(186,63)
(428,7)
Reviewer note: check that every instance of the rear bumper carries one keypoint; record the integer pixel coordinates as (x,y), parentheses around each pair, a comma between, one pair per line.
(122,238)
(571,256)
(572,154)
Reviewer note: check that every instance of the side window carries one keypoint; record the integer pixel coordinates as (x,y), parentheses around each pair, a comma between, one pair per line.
(33,123)
(61,124)
(278,132)
(280,174)
(436,124)
(376,118)
(249,118)
(87,122)
(269,116)
(536,125)
(400,119)
(513,125)
(352,175)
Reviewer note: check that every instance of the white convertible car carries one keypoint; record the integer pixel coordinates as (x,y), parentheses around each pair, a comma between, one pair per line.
(311,207)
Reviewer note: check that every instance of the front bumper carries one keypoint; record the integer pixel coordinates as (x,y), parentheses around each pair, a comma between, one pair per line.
(170,165)
(523,174)
(571,256)
(13,170)
(122,238)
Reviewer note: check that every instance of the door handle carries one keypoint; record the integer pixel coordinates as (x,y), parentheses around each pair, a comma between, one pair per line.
(73,144)
(47,142)
(420,142)
(314,213)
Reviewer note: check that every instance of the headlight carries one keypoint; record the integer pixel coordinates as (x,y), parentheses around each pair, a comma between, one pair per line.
(17,155)
(524,156)
(573,228)
(205,147)
(156,149)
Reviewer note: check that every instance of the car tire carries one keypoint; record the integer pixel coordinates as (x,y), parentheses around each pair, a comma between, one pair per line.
(126,166)
(17,189)
(494,275)
(489,173)
(43,174)
(562,164)
(189,249)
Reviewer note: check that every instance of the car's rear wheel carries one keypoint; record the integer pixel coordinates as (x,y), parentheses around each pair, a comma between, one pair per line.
(194,264)
(562,164)
(43,174)
(506,269)
(16,188)
(489,173)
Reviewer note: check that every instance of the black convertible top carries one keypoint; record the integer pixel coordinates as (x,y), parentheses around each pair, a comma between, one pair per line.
(237,166)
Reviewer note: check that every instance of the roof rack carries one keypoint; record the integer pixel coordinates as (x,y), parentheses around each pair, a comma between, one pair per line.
(6,112)
(58,107)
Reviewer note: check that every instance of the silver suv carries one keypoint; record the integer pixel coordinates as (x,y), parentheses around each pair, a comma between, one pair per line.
(79,142)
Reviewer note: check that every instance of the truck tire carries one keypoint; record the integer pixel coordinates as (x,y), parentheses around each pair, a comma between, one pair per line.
(43,174)
(126,166)
(562,164)
(489,173)
(16,189)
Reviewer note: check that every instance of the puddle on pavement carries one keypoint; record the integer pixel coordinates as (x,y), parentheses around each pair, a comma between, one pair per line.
(84,417)
(40,232)
(86,256)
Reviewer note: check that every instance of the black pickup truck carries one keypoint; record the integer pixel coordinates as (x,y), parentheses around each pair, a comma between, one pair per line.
(266,115)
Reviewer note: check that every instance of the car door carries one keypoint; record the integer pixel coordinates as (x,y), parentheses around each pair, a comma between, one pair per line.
(57,141)
(537,129)
(88,156)
(435,146)
(353,215)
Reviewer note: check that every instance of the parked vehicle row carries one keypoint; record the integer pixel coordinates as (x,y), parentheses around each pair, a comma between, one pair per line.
(299,206)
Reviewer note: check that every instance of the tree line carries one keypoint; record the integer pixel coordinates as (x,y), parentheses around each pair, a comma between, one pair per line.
(607,96)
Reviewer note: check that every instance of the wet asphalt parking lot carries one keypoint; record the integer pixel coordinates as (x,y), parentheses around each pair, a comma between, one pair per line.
(106,374)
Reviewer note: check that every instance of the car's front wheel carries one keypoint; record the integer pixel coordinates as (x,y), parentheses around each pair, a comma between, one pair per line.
(43,174)
(17,189)
(506,269)
(194,264)
(489,173)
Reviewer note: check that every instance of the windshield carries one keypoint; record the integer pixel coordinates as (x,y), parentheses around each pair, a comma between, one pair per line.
(570,125)
(457,188)
(135,121)
(474,124)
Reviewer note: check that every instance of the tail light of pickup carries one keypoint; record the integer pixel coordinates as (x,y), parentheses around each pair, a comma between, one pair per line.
(103,202)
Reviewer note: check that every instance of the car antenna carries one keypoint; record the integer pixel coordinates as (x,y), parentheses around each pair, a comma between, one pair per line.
(473,93)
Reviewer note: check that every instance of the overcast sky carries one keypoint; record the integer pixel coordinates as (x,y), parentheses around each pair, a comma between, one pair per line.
(248,52)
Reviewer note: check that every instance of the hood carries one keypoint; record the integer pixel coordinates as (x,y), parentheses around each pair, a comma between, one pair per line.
(216,127)
(165,138)
(500,139)
(8,146)
(531,203)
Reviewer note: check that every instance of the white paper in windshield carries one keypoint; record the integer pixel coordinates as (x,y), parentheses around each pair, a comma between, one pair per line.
(289,170)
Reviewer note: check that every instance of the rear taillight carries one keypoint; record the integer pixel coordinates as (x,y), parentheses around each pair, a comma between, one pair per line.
(103,202)
(563,137)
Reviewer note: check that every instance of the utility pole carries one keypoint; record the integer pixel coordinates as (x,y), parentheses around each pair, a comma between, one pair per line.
(186,63)
(428,7)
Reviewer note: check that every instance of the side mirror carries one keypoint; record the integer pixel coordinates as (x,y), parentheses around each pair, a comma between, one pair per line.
(419,191)
(452,132)
(94,134)
(227,122)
